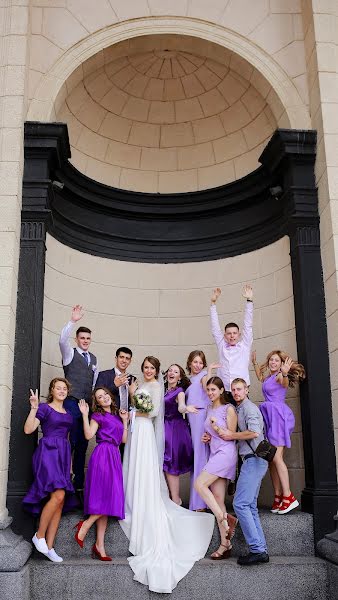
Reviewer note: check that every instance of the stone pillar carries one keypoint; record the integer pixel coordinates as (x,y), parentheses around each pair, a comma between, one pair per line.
(289,158)
(42,157)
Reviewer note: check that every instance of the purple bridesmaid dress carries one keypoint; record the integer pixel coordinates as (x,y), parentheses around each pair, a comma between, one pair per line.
(51,461)
(223,454)
(178,452)
(103,493)
(278,417)
(196,396)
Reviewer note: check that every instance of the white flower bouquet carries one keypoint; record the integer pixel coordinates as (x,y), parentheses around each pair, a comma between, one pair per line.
(142,401)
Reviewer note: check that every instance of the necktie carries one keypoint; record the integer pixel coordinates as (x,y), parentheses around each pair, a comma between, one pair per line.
(85,356)
(124,397)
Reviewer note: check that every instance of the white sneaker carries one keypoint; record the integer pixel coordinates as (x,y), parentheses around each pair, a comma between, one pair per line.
(53,556)
(40,544)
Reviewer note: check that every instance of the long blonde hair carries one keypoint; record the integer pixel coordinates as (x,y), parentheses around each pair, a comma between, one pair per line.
(296,373)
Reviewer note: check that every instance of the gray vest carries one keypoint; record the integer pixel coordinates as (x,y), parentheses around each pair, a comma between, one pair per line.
(80,376)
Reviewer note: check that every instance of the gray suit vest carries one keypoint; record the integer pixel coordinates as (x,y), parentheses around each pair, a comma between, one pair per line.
(80,376)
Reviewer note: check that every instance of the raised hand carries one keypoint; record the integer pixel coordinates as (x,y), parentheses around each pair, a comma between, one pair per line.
(77,313)
(133,387)
(34,399)
(121,380)
(286,366)
(123,414)
(84,408)
(215,295)
(248,292)
(214,366)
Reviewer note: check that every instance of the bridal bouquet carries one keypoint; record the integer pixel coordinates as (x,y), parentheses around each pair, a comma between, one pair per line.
(142,401)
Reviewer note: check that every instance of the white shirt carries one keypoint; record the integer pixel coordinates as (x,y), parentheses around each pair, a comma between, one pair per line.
(235,359)
(67,351)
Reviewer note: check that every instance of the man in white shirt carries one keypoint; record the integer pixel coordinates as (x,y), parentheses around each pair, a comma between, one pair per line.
(80,368)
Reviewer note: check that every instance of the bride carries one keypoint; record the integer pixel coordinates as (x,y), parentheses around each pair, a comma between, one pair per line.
(165,539)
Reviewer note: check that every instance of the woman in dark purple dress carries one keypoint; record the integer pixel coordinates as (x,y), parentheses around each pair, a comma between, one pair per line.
(51,491)
(103,493)
(178,452)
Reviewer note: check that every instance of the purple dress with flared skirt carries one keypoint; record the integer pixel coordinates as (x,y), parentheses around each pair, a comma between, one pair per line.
(103,493)
(51,461)
(178,452)
(196,396)
(279,420)
(223,454)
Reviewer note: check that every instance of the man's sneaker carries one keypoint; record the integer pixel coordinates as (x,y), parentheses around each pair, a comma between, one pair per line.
(40,544)
(289,503)
(53,556)
(253,558)
(277,503)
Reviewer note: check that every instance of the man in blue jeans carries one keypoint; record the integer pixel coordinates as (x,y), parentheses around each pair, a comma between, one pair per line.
(250,429)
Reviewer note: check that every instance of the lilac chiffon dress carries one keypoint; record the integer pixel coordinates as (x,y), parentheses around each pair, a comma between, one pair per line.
(178,452)
(223,454)
(51,461)
(279,420)
(196,396)
(103,494)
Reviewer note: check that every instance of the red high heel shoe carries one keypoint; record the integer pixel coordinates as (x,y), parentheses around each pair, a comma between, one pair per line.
(96,554)
(77,539)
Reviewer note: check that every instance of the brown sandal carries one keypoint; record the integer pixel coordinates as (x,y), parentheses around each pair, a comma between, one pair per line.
(223,522)
(222,555)
(232,522)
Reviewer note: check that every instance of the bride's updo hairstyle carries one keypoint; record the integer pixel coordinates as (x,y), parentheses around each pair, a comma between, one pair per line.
(153,361)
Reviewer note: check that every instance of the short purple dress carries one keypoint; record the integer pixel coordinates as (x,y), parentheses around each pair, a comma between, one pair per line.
(279,420)
(103,493)
(178,452)
(51,461)
(196,396)
(223,454)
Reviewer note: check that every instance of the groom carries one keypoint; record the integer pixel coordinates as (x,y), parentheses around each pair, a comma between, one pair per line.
(117,380)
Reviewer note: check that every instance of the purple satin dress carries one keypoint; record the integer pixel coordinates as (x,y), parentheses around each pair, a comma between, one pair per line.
(279,420)
(51,461)
(196,396)
(223,454)
(103,494)
(178,452)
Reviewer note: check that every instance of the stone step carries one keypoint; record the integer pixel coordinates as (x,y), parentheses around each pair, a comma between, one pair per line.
(286,535)
(292,577)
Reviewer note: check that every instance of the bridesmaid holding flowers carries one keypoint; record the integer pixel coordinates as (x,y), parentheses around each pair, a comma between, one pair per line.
(103,494)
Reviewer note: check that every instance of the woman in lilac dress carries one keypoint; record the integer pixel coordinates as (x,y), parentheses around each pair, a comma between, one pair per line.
(178,452)
(221,466)
(197,396)
(103,493)
(51,491)
(279,420)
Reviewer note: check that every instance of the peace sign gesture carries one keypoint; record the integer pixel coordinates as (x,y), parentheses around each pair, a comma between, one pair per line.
(286,366)
(34,399)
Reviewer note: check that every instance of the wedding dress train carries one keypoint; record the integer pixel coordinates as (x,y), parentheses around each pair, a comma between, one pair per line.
(165,539)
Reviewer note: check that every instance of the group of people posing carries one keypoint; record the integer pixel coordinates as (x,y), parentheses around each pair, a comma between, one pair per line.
(198,423)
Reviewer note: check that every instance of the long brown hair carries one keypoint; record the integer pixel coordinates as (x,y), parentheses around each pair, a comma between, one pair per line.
(219,383)
(99,409)
(52,386)
(296,373)
(153,361)
(193,355)
(183,381)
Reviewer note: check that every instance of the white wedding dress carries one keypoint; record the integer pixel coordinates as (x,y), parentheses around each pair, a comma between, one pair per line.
(165,538)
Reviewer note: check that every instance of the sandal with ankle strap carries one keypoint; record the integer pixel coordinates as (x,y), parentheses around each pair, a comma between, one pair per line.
(223,521)
(232,522)
(222,555)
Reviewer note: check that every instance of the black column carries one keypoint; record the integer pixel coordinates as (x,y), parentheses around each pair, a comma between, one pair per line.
(290,157)
(42,156)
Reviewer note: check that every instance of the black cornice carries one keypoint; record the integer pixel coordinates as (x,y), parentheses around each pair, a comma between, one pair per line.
(167,228)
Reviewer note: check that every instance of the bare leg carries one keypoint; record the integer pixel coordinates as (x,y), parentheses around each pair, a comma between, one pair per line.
(218,488)
(101,526)
(53,527)
(173,482)
(275,479)
(202,485)
(86,525)
(282,471)
(51,507)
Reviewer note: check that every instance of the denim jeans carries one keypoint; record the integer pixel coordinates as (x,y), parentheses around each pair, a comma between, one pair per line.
(245,502)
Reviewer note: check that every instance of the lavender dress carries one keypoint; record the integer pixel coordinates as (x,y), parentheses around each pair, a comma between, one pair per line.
(103,494)
(51,461)
(178,452)
(279,420)
(196,396)
(223,454)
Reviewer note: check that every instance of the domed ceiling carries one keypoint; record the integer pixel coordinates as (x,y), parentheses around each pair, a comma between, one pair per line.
(167,114)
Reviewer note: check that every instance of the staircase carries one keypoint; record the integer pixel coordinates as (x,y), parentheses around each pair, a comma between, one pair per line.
(294,573)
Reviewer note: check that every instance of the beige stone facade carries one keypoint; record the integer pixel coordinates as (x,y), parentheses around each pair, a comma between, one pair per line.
(165,96)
